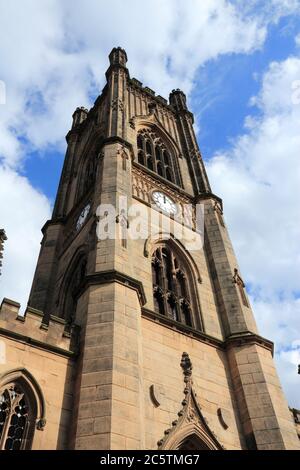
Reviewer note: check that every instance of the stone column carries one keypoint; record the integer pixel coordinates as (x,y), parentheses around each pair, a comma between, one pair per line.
(264,413)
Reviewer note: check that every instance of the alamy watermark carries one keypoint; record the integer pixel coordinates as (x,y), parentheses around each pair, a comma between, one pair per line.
(138,222)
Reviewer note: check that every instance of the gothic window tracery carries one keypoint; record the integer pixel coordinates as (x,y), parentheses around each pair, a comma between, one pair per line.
(153,154)
(171,290)
(16,418)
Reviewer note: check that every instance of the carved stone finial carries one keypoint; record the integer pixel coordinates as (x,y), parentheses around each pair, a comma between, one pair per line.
(3,237)
(40,424)
(190,418)
(178,99)
(118,56)
(152,107)
(186,364)
(237,278)
(79,115)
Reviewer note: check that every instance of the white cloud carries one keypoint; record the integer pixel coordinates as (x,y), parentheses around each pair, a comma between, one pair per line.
(23,212)
(259,179)
(52,64)
(53,55)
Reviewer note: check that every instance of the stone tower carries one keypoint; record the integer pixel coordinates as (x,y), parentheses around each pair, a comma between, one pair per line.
(139,342)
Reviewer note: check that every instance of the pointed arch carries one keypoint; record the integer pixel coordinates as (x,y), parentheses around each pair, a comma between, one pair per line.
(87,176)
(72,279)
(152,240)
(155,141)
(191,430)
(174,276)
(23,409)
(152,122)
(87,165)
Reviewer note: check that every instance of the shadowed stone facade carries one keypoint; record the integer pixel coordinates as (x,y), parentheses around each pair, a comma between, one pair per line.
(110,354)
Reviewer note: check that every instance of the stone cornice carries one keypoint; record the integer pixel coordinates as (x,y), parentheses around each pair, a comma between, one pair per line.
(117,140)
(36,343)
(55,221)
(235,340)
(180,327)
(203,196)
(154,178)
(106,277)
(247,337)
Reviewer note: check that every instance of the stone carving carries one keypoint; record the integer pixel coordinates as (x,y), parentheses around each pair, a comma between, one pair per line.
(156,394)
(132,123)
(241,287)
(224,417)
(124,155)
(3,237)
(190,420)
(219,211)
(117,104)
(40,424)
(143,185)
(124,226)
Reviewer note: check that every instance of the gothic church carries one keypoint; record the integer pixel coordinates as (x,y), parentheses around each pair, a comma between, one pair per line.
(137,343)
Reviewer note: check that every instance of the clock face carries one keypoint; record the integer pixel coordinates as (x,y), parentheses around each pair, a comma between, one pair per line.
(82,217)
(164,202)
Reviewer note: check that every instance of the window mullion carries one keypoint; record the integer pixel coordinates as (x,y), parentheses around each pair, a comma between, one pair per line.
(5,429)
(172,164)
(153,156)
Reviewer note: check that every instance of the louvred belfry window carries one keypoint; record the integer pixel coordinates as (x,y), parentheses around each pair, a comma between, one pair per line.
(154,155)
(87,178)
(171,290)
(16,420)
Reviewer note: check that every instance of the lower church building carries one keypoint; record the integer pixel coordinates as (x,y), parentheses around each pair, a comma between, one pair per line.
(137,342)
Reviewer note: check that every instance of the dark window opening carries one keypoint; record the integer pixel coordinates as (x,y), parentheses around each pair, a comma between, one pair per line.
(153,154)
(171,287)
(16,419)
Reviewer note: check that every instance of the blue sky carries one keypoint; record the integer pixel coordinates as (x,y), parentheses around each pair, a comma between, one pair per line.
(218,101)
(237,67)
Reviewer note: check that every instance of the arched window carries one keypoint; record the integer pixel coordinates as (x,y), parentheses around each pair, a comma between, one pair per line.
(158,154)
(169,174)
(153,154)
(148,148)
(87,178)
(141,157)
(172,289)
(160,169)
(15,417)
(22,409)
(150,163)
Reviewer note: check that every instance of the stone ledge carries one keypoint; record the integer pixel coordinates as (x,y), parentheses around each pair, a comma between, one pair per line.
(181,328)
(203,196)
(10,302)
(245,337)
(31,328)
(106,277)
(36,343)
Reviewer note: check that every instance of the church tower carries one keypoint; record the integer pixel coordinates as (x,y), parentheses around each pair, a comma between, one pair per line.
(138,332)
